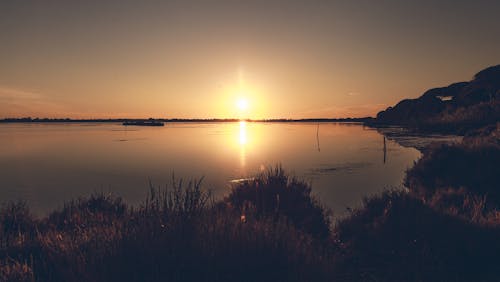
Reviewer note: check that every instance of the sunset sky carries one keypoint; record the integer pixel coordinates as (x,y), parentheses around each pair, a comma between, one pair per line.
(234,59)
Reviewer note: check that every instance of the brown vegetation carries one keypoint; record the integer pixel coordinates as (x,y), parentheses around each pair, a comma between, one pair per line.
(270,228)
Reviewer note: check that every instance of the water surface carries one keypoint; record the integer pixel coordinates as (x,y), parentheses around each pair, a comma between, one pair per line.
(49,163)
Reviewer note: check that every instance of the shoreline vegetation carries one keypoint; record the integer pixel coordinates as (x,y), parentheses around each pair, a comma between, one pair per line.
(459,108)
(444,226)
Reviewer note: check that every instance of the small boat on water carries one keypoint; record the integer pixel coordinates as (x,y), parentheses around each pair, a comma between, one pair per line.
(144,123)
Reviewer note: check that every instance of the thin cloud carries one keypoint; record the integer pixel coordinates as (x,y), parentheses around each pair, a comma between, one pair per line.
(17,102)
(9,94)
(352,94)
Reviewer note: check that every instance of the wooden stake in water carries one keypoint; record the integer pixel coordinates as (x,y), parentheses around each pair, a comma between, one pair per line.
(385,150)
(317,137)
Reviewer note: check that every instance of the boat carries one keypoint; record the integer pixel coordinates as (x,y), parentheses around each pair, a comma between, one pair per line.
(143,123)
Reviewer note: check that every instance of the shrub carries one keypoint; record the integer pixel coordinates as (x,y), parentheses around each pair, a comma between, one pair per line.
(276,194)
(397,237)
(16,223)
(473,168)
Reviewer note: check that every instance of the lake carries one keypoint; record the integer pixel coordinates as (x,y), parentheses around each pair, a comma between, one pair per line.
(49,163)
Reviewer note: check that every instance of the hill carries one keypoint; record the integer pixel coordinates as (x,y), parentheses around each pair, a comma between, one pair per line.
(457,108)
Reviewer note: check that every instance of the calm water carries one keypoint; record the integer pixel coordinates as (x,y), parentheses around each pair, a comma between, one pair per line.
(47,164)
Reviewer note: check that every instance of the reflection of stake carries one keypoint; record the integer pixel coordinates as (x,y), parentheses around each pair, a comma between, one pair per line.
(385,150)
(317,137)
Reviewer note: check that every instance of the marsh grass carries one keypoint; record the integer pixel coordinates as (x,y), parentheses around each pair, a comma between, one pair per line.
(461,179)
(269,228)
(473,168)
(179,233)
(398,237)
(16,224)
(276,194)
(13,270)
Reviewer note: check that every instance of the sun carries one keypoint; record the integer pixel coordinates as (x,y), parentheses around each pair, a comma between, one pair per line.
(242,104)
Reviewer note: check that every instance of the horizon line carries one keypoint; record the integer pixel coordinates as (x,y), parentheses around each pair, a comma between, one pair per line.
(319,119)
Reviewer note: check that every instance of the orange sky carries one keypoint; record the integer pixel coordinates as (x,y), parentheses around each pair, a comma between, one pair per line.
(196,59)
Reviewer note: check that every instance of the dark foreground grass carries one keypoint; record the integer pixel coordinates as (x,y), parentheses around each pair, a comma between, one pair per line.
(462,178)
(178,234)
(458,166)
(269,228)
(397,237)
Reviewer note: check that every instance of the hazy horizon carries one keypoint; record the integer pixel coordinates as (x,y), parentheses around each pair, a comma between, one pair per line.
(34,118)
(231,59)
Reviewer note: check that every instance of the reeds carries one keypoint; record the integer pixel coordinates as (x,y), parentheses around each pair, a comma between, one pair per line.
(179,233)
(268,228)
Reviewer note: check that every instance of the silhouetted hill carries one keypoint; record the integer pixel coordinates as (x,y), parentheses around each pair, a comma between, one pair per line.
(458,107)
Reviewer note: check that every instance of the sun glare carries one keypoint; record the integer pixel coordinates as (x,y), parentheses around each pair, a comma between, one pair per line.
(242,104)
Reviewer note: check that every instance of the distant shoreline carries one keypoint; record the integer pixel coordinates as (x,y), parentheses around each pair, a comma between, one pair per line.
(68,120)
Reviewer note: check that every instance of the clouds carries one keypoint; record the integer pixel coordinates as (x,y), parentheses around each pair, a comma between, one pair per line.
(9,94)
(17,102)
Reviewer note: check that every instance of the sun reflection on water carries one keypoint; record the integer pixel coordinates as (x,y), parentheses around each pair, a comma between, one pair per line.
(243,141)
(243,133)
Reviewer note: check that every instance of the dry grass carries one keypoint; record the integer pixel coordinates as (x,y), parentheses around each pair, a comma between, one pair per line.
(267,229)
(177,234)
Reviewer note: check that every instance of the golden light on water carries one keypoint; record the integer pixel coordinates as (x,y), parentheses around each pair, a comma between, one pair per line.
(243,142)
(243,133)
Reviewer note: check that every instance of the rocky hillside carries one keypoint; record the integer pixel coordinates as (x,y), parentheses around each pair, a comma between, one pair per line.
(458,107)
